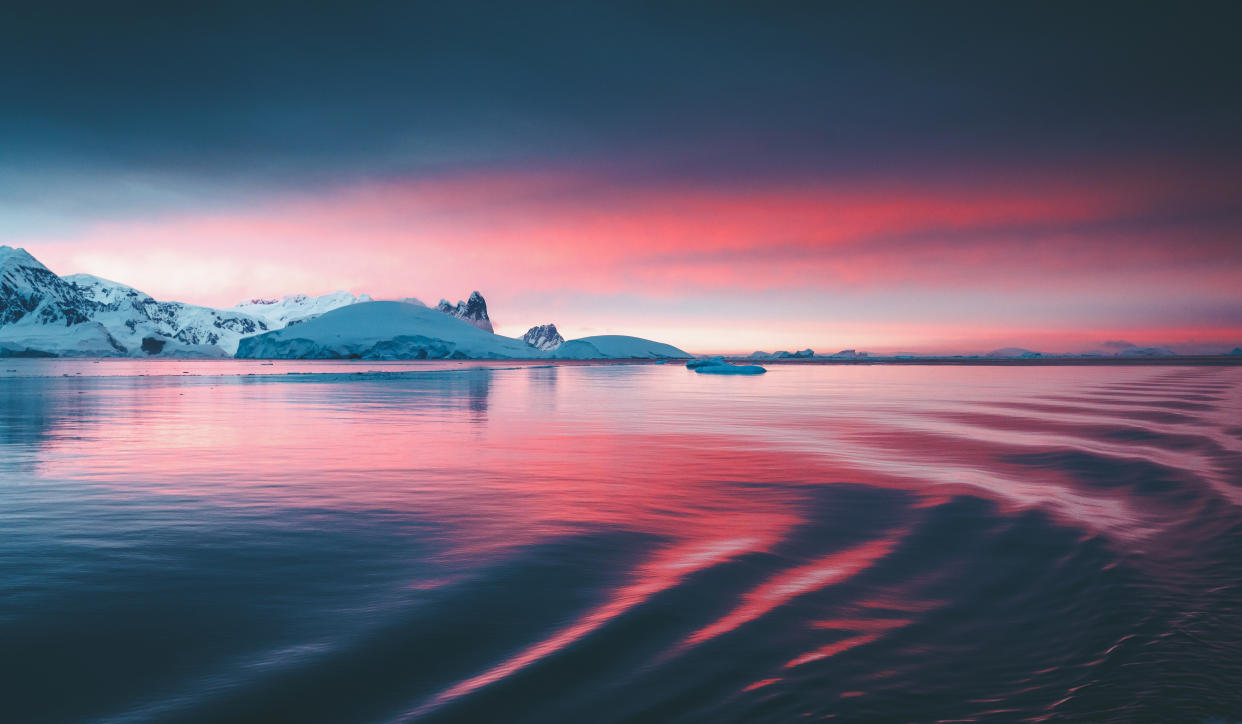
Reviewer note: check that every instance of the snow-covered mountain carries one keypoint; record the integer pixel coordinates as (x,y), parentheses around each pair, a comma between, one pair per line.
(294,308)
(385,330)
(1014,352)
(783,354)
(42,314)
(31,293)
(543,336)
(473,310)
(143,325)
(86,315)
(393,330)
(617,346)
(1147,352)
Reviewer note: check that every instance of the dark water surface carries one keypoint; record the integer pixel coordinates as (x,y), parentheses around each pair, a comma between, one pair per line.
(618,543)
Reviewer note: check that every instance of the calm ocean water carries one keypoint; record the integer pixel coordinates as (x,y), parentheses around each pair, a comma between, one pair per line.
(227,542)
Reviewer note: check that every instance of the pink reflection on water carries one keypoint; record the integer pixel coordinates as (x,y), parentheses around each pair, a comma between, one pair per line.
(553,451)
(663,572)
(826,571)
(868,630)
(710,470)
(760,684)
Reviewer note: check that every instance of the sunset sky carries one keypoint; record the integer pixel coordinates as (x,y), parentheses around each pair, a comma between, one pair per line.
(922,177)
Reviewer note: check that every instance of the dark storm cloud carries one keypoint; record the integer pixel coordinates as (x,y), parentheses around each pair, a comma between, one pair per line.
(304,93)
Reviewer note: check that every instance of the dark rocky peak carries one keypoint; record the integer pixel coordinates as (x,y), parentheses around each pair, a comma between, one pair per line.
(473,310)
(544,337)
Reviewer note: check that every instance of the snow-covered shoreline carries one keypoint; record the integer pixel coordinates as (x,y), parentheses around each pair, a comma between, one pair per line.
(85,316)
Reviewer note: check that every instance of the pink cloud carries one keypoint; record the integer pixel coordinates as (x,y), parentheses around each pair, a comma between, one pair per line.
(573,233)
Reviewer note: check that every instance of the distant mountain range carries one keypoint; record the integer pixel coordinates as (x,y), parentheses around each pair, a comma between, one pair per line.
(45,315)
(396,330)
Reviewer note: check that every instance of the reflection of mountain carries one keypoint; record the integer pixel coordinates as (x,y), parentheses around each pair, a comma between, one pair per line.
(541,389)
(479,386)
(33,410)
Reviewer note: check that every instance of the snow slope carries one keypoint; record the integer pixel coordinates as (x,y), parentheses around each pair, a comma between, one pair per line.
(82,314)
(616,346)
(782,354)
(172,328)
(384,330)
(294,308)
(86,339)
(40,313)
(31,293)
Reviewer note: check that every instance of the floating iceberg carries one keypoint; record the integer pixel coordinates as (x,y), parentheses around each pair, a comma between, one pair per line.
(727,369)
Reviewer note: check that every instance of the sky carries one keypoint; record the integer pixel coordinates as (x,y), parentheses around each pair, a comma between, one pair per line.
(893,177)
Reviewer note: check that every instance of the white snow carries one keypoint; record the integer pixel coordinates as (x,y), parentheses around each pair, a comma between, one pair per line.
(783,354)
(82,314)
(31,293)
(100,290)
(384,330)
(16,257)
(293,308)
(86,315)
(616,346)
(395,330)
(132,316)
(88,339)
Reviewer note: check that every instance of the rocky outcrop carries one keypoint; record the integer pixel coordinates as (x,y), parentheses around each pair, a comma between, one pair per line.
(544,337)
(473,310)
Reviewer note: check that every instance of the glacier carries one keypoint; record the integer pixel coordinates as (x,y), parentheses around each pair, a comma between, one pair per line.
(295,308)
(617,346)
(385,330)
(395,330)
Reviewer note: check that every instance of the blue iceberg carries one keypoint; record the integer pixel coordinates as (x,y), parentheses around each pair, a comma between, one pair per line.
(727,369)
